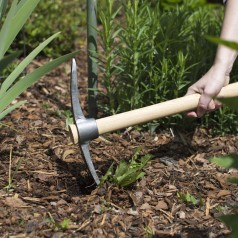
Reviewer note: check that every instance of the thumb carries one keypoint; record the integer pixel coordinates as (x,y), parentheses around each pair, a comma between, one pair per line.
(204,104)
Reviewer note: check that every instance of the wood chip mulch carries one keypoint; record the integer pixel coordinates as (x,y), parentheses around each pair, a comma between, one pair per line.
(52,196)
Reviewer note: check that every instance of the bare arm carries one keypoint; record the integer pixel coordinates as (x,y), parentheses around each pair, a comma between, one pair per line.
(218,75)
(225,56)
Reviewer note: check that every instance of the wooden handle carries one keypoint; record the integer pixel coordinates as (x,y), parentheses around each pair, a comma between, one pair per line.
(73,133)
(145,114)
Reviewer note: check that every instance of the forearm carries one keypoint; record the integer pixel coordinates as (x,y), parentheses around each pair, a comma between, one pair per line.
(225,56)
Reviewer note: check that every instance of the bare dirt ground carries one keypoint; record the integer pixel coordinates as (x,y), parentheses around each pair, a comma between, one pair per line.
(50,196)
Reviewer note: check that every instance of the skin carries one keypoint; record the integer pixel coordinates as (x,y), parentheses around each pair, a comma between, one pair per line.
(218,75)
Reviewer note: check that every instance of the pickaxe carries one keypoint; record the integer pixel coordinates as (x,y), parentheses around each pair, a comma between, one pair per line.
(84,130)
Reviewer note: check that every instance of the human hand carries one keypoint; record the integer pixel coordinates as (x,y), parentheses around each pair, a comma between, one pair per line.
(208,86)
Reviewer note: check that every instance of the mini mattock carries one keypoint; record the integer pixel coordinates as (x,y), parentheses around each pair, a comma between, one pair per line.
(84,130)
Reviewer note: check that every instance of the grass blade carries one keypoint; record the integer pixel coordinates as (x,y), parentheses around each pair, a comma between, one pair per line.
(3,5)
(228,161)
(16,22)
(232,103)
(231,221)
(231,44)
(8,60)
(6,27)
(13,107)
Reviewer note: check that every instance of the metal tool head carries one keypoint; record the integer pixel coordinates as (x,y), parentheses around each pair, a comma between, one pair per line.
(83,130)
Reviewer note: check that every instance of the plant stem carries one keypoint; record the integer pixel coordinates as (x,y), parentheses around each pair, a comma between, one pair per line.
(92,56)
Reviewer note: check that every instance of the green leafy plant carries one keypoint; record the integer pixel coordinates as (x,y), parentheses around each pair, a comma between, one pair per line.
(187,197)
(153,53)
(15,84)
(68,117)
(149,231)
(231,221)
(109,55)
(62,226)
(228,161)
(127,173)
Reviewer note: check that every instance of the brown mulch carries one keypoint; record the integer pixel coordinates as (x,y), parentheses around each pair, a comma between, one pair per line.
(51,186)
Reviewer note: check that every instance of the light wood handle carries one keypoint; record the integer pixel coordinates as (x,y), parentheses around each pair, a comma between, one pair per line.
(156,111)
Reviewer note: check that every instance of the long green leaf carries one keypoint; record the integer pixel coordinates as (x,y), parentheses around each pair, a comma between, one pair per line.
(232,103)
(217,40)
(228,161)
(6,27)
(8,60)
(130,178)
(9,109)
(232,222)
(3,5)
(31,78)
(21,3)
(17,21)
(19,69)
(121,169)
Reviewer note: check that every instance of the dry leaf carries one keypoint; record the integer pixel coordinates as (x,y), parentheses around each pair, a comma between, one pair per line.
(14,202)
(161,205)
(145,206)
(66,153)
(223,193)
(209,185)
(182,215)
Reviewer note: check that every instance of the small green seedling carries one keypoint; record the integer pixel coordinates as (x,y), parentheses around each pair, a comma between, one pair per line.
(187,197)
(68,117)
(149,231)
(127,173)
(62,226)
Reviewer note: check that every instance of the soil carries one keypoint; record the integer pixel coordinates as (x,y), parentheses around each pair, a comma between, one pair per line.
(51,195)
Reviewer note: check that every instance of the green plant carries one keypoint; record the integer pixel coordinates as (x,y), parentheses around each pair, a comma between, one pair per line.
(149,231)
(68,117)
(152,54)
(187,197)
(15,84)
(62,226)
(109,55)
(127,173)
